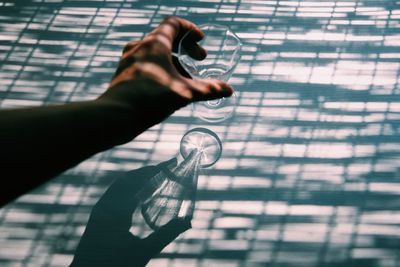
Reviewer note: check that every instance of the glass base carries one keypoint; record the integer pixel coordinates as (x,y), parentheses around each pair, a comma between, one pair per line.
(216,110)
(206,142)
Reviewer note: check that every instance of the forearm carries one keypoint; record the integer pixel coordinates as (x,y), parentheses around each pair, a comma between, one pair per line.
(40,143)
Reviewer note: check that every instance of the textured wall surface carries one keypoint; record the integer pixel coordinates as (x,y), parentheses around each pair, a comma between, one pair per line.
(309,174)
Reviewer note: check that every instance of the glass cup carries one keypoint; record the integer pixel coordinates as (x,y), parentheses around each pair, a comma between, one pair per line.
(223,49)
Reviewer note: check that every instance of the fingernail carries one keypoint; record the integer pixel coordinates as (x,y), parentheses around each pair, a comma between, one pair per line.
(228,90)
(204,53)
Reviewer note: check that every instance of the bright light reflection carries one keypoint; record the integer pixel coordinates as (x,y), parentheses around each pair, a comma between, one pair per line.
(309,170)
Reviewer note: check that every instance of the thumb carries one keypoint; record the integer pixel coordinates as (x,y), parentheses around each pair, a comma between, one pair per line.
(158,240)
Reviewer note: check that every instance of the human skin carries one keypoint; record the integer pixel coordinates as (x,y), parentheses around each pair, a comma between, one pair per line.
(37,144)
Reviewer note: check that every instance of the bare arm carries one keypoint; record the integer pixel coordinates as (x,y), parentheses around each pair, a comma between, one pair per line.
(38,143)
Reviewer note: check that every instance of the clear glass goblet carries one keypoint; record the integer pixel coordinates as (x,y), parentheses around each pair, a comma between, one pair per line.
(223,49)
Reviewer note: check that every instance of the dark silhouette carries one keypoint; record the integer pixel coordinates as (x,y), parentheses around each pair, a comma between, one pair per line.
(147,87)
(107,240)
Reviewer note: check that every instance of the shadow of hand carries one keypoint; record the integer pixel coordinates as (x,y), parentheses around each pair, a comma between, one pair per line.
(107,240)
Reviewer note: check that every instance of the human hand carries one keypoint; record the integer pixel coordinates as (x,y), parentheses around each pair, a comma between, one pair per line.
(107,240)
(150,85)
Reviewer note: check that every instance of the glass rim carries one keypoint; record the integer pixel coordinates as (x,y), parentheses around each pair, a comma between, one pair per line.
(207,132)
(221,26)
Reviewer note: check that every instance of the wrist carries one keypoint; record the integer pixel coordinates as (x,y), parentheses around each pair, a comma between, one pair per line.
(117,119)
(140,104)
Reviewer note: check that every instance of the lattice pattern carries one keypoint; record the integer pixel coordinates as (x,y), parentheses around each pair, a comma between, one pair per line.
(310,170)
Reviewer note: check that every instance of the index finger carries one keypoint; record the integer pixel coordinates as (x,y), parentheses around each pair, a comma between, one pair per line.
(173,28)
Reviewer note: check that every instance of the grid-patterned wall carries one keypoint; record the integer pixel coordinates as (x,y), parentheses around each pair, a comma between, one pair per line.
(309,174)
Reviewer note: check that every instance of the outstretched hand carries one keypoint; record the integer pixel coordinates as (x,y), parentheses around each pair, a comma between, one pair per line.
(150,83)
(147,87)
(107,240)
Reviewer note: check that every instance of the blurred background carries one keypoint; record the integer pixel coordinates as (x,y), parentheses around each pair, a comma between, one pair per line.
(309,174)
